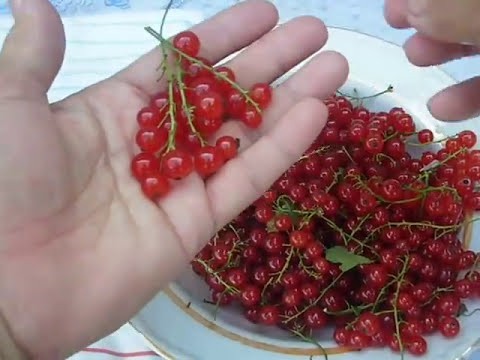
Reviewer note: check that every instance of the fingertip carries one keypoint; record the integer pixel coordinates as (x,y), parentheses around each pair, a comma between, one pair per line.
(264,6)
(315,25)
(424,51)
(35,47)
(395,13)
(458,102)
(339,68)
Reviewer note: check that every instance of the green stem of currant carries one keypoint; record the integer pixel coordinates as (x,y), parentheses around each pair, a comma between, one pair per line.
(186,108)
(221,76)
(439,141)
(172,113)
(360,99)
(432,169)
(395,306)
(311,341)
(305,267)
(208,269)
(286,266)
(382,292)
(317,300)
(269,282)
(474,266)
(320,151)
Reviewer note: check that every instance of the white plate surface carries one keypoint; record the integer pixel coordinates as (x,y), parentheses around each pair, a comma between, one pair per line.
(180,332)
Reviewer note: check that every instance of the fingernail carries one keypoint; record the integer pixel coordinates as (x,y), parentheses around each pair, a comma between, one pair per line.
(417,7)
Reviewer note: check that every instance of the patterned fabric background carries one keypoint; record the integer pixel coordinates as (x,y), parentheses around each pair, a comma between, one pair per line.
(71,7)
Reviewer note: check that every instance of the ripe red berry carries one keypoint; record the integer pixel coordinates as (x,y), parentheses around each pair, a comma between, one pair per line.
(208,160)
(261,94)
(187,42)
(425,136)
(144,164)
(228,146)
(449,327)
(155,186)
(148,117)
(177,164)
(151,140)
(251,117)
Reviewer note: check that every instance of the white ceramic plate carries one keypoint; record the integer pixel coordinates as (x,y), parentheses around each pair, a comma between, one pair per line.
(180,326)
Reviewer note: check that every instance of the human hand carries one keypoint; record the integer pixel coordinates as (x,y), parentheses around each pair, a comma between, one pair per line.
(446,30)
(81,249)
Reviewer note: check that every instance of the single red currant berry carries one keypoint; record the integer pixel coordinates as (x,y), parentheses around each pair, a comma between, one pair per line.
(342,336)
(209,105)
(250,296)
(374,144)
(151,140)
(358,340)
(261,94)
(148,117)
(416,345)
(283,222)
(207,126)
(453,146)
(300,238)
(208,160)
(155,186)
(425,136)
(269,315)
(467,138)
(368,324)
(187,42)
(177,164)
(449,327)
(251,117)
(144,164)
(225,76)
(228,145)
(315,318)
(236,104)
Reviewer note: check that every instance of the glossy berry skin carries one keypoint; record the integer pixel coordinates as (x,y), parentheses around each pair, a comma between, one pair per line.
(148,117)
(209,105)
(449,327)
(151,140)
(250,296)
(144,164)
(368,324)
(187,42)
(177,164)
(261,94)
(251,117)
(208,160)
(155,186)
(315,318)
(228,146)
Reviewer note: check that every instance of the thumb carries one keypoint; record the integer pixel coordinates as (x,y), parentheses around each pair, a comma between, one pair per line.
(446,20)
(33,51)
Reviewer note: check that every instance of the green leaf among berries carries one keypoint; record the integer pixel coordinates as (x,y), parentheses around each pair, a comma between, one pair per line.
(346,259)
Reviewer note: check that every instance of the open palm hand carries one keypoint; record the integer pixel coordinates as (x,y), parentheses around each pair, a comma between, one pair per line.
(81,248)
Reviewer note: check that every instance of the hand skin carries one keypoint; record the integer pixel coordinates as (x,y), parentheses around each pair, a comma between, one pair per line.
(81,250)
(446,30)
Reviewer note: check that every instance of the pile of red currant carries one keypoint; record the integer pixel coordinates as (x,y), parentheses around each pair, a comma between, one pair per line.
(176,135)
(358,235)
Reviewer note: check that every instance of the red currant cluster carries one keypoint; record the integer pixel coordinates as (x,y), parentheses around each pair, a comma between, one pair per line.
(358,234)
(177,129)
